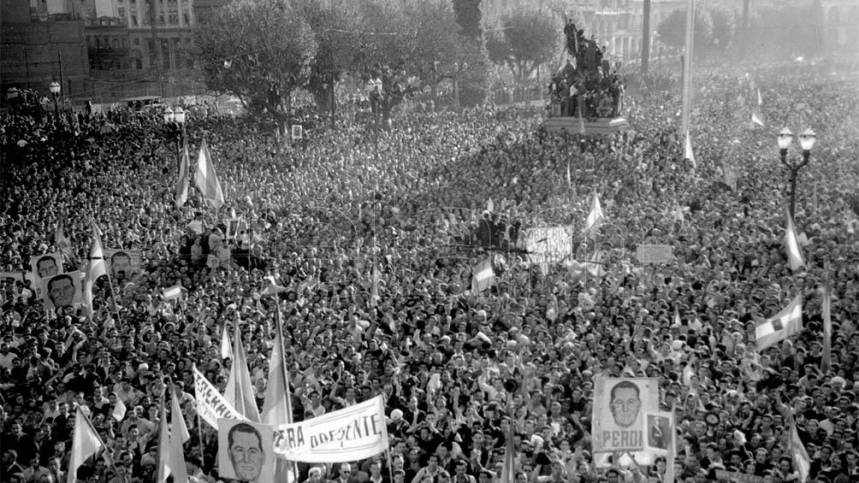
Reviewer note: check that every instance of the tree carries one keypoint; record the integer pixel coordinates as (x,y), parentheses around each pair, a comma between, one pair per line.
(474,81)
(672,30)
(528,39)
(257,50)
(468,17)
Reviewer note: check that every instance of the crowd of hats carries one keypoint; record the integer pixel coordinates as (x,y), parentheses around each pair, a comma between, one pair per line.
(458,369)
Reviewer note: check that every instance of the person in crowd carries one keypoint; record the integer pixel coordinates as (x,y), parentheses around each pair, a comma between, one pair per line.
(407,204)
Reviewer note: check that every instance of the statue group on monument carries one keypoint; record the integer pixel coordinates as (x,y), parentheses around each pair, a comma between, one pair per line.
(586,86)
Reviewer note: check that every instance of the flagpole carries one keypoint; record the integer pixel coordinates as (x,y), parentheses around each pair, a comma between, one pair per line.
(161,430)
(687,66)
(287,392)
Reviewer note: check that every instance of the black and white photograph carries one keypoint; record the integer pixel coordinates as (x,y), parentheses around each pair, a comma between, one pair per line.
(548,241)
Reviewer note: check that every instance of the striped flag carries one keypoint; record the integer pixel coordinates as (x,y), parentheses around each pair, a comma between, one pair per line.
(595,217)
(226,349)
(482,276)
(786,323)
(826,358)
(85,443)
(794,255)
(182,183)
(800,456)
(277,403)
(171,453)
(240,390)
(206,179)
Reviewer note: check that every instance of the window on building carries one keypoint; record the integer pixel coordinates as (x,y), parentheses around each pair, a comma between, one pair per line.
(138,64)
(186,18)
(174,18)
(136,42)
(161,19)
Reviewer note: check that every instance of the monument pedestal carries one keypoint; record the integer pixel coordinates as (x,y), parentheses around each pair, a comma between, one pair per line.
(597,127)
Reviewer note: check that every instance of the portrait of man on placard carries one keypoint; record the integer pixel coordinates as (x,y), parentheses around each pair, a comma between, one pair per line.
(245,451)
(63,290)
(46,266)
(123,264)
(658,431)
(625,403)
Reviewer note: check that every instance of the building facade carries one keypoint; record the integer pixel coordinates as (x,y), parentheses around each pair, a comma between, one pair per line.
(38,48)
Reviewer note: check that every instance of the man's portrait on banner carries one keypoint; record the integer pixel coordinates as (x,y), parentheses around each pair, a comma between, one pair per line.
(658,431)
(63,290)
(46,266)
(245,451)
(625,403)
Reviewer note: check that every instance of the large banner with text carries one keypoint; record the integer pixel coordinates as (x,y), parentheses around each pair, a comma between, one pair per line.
(353,433)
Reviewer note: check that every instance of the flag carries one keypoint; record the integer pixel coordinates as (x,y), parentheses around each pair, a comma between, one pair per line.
(173,293)
(800,456)
(95,268)
(240,391)
(482,276)
(119,409)
(63,244)
(595,217)
(85,443)
(171,453)
(594,265)
(677,322)
(826,359)
(730,177)
(182,183)
(374,290)
(794,255)
(277,404)
(569,177)
(508,471)
(688,152)
(756,119)
(206,179)
(490,206)
(786,323)
(760,99)
(581,119)
(272,288)
(226,350)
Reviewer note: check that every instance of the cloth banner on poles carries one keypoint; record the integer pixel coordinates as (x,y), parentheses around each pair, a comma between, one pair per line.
(353,433)
(211,405)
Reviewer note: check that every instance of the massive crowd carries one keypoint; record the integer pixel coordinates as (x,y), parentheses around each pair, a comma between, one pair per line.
(407,200)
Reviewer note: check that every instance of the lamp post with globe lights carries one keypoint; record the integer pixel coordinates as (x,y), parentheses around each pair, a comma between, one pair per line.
(807,139)
(174,120)
(55,89)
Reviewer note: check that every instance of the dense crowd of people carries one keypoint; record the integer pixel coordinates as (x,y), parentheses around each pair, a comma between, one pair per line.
(457,369)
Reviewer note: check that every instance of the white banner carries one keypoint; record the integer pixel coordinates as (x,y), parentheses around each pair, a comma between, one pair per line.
(619,412)
(211,405)
(353,433)
(548,244)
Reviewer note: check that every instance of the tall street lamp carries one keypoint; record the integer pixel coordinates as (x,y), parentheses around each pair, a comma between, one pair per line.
(806,141)
(175,122)
(55,93)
